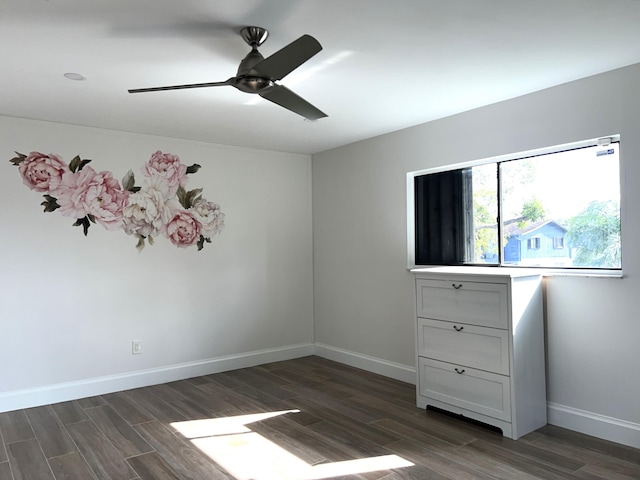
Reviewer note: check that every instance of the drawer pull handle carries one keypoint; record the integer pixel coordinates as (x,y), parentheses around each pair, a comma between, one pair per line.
(456,286)
(457,328)
(458,371)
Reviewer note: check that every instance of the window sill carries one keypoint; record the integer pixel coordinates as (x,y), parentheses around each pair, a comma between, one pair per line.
(502,270)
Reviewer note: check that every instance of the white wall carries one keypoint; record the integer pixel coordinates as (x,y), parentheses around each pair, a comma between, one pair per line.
(364,294)
(71,305)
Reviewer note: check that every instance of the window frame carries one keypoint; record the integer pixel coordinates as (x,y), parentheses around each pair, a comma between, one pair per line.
(598,141)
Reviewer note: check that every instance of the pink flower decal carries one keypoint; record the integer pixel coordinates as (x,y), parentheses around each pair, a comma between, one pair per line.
(183,229)
(148,211)
(89,193)
(168,167)
(210,216)
(160,206)
(41,172)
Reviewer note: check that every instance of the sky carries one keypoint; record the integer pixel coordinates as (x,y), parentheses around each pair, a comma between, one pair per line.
(567,182)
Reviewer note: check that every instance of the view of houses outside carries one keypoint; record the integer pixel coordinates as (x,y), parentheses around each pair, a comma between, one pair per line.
(558,210)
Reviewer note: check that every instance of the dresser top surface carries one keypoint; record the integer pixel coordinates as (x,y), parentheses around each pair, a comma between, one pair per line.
(504,272)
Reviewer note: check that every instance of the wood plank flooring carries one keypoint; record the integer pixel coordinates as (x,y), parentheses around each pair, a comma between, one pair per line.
(301,419)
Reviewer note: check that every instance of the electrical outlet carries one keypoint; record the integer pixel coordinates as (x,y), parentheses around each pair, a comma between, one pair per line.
(136,347)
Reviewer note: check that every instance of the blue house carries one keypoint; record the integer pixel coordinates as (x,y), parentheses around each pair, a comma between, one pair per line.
(539,243)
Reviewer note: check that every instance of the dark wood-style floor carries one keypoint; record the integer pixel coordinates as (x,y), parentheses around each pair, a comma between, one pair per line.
(300,419)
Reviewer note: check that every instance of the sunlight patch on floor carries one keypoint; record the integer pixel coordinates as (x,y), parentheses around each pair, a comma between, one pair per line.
(248,455)
(224,425)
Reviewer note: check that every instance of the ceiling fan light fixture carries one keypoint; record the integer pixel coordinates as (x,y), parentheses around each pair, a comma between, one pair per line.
(253,84)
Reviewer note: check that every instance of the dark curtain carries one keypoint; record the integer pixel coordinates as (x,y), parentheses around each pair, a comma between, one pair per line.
(443,217)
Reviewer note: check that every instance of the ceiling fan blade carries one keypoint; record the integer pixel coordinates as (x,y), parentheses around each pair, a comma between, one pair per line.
(286,98)
(180,87)
(287,59)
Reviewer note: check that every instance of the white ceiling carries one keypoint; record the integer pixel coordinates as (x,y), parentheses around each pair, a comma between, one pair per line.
(385,64)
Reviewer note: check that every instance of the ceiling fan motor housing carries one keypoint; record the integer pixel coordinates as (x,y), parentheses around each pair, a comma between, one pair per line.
(244,80)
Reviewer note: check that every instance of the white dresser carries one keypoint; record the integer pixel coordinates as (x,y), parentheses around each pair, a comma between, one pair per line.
(480,345)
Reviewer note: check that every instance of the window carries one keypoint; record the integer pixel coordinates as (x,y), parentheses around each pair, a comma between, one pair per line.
(533,243)
(558,207)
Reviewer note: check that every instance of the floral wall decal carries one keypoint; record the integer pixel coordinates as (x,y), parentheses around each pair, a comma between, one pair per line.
(160,207)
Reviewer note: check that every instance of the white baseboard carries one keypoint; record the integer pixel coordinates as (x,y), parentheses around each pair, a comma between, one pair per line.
(601,426)
(404,373)
(62,392)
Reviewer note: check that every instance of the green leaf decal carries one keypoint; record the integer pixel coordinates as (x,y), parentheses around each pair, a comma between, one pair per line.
(73,164)
(192,196)
(128,182)
(140,244)
(19,159)
(187,199)
(182,197)
(82,164)
(50,203)
(193,168)
(201,242)
(84,223)
(77,164)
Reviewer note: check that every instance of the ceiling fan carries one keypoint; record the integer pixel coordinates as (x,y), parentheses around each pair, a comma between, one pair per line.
(257,74)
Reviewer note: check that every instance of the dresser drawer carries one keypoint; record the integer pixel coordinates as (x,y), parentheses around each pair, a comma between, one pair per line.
(477,347)
(476,303)
(482,392)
